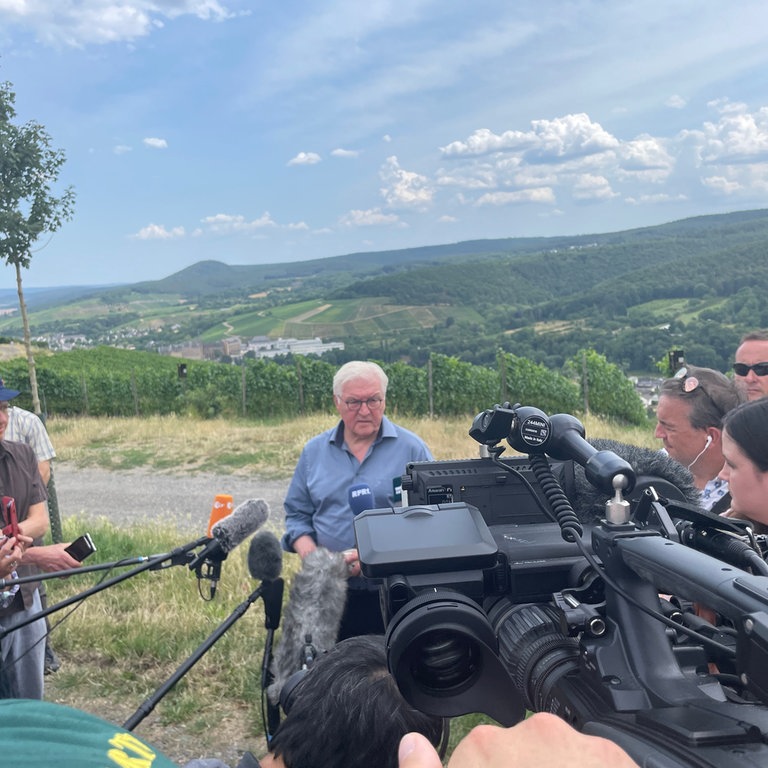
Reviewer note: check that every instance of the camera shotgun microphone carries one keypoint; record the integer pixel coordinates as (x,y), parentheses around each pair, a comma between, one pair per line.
(312,616)
(227,534)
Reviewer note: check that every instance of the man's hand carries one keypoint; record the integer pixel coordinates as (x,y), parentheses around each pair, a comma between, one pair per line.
(11,554)
(543,740)
(51,557)
(304,545)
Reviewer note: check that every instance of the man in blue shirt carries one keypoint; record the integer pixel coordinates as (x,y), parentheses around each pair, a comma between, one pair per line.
(364,449)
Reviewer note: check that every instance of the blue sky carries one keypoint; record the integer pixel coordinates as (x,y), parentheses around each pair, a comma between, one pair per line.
(262,132)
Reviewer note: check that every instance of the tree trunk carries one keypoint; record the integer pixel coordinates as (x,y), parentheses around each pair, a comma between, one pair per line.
(28,344)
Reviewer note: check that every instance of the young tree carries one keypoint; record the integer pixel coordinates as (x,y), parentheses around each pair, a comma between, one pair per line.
(29,166)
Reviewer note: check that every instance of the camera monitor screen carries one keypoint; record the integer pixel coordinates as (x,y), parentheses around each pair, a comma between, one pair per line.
(502,496)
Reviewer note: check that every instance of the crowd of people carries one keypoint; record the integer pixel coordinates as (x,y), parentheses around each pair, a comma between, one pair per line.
(713,424)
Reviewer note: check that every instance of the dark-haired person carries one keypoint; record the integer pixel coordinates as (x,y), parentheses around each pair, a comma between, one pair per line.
(745,446)
(692,405)
(751,364)
(345,711)
(364,449)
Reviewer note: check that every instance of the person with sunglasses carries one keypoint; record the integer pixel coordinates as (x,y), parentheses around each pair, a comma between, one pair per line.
(692,405)
(751,366)
(364,453)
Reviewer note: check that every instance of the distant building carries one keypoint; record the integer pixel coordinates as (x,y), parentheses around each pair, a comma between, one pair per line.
(263,346)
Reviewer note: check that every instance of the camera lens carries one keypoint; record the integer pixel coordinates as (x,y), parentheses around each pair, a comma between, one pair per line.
(442,652)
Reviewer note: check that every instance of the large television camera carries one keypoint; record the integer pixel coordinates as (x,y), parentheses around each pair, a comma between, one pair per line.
(602,622)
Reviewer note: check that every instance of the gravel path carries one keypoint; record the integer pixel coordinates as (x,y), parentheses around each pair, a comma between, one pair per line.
(127,497)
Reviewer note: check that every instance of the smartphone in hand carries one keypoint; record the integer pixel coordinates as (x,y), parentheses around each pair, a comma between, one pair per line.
(81,547)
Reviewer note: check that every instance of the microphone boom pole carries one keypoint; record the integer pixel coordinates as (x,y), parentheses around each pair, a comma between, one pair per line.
(177,557)
(151,702)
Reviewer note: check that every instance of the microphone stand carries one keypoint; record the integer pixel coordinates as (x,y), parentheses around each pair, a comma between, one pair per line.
(271,623)
(151,702)
(155,559)
(179,556)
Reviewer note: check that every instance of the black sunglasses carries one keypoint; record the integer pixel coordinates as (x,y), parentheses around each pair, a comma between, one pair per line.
(742,369)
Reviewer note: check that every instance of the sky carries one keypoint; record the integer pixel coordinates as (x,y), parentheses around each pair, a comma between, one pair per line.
(262,132)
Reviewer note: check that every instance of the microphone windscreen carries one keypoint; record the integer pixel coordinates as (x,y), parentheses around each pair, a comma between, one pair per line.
(265,557)
(652,467)
(360,498)
(246,519)
(313,614)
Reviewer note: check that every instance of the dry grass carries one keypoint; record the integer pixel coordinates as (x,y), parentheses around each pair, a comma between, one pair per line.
(184,444)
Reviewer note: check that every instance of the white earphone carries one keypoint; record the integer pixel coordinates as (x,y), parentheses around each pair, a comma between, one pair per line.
(708,442)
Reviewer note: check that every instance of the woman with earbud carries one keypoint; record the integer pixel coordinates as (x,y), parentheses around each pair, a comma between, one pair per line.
(745,448)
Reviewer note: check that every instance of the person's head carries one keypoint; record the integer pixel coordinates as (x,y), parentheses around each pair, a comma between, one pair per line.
(347,711)
(751,364)
(6,395)
(745,448)
(690,415)
(359,392)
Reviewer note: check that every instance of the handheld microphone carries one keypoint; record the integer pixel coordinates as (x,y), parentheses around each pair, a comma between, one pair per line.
(360,498)
(227,534)
(312,616)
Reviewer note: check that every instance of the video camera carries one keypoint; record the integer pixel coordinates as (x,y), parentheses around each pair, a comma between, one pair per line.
(492,611)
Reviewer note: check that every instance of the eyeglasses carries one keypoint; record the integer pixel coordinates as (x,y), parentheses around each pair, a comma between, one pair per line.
(742,369)
(373,403)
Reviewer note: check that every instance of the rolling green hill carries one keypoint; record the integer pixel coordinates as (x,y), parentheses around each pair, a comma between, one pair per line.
(695,284)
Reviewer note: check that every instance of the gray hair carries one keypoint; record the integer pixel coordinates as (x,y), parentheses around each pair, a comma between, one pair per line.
(358,369)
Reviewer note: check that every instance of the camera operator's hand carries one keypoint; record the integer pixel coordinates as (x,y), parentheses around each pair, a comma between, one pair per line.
(543,741)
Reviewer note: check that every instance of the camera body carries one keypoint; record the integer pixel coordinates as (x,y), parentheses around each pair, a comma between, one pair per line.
(498,600)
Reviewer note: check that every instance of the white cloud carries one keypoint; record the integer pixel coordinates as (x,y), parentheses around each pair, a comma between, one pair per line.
(542,195)
(404,188)
(676,102)
(723,185)
(299,225)
(445,218)
(370,218)
(305,158)
(158,232)
(351,153)
(591,187)
(568,136)
(156,143)
(225,223)
(99,22)
(121,149)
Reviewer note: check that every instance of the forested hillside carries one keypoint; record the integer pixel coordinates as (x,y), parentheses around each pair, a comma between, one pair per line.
(695,284)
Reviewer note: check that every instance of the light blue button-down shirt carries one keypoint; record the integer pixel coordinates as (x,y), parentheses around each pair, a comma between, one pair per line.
(317,502)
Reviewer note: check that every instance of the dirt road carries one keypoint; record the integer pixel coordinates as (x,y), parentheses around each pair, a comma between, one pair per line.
(139,495)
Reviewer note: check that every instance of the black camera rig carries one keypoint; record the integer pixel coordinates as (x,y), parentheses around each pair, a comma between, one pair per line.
(606,624)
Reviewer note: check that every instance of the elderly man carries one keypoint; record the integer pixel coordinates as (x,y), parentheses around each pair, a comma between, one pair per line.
(365,450)
(751,366)
(689,417)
